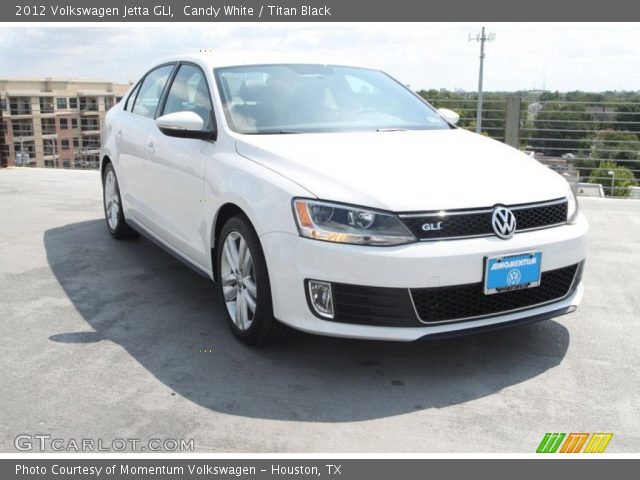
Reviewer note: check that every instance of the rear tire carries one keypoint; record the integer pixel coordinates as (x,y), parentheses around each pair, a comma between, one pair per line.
(243,285)
(112,202)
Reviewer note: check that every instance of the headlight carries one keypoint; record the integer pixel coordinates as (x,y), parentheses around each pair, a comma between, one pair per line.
(333,222)
(572,206)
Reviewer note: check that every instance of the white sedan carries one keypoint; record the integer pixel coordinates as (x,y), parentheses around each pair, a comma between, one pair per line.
(331,199)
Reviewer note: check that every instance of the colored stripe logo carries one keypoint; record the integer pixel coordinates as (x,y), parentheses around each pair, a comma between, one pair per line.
(598,442)
(574,443)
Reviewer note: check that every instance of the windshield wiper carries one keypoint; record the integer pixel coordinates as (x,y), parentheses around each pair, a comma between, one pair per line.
(391,129)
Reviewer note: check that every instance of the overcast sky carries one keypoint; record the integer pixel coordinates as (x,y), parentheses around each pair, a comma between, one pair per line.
(571,57)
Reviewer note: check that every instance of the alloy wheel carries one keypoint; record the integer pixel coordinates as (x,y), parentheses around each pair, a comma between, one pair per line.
(238,280)
(111,200)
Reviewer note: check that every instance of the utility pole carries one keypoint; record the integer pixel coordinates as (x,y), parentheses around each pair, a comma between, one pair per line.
(481,37)
(53,146)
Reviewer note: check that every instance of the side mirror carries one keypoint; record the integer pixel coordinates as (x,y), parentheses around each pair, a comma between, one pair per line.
(184,125)
(449,115)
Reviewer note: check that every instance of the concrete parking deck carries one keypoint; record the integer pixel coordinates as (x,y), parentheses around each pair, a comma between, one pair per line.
(103,339)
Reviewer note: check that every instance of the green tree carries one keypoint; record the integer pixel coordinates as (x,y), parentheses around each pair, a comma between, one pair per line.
(622,179)
(616,145)
(611,145)
(629,116)
(560,128)
(549,96)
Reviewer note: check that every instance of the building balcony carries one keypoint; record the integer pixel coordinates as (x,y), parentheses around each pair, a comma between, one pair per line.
(18,114)
(24,135)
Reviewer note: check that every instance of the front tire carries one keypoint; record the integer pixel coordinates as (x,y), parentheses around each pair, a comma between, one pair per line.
(243,285)
(112,202)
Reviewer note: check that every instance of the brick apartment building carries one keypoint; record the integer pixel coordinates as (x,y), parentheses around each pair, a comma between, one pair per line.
(4,156)
(54,122)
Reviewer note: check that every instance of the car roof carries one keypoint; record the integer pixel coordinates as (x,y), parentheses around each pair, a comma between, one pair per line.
(214,59)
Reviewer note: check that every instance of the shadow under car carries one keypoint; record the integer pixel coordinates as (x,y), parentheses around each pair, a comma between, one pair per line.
(169,320)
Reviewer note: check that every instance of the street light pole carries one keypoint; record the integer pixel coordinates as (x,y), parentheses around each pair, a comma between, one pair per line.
(21,152)
(481,37)
(613,180)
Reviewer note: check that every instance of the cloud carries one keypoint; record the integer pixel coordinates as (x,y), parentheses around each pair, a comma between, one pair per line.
(571,57)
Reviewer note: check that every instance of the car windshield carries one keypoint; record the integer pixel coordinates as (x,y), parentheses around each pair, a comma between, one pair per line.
(263,99)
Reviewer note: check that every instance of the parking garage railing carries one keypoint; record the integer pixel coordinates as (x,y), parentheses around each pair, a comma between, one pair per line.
(594,144)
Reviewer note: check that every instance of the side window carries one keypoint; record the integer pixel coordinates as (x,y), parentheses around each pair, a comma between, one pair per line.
(148,97)
(129,105)
(189,92)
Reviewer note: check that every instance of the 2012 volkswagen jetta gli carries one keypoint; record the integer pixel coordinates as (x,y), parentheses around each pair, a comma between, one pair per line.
(332,199)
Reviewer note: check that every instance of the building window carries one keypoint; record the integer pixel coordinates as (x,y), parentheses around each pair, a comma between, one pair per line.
(48,126)
(64,123)
(50,147)
(20,105)
(25,152)
(22,128)
(64,144)
(46,105)
(73,103)
(91,143)
(4,154)
(74,123)
(109,102)
(76,142)
(26,147)
(88,104)
(89,125)
(61,103)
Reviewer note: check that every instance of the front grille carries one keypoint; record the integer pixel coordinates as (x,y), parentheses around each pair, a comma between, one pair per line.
(466,301)
(539,217)
(376,306)
(469,223)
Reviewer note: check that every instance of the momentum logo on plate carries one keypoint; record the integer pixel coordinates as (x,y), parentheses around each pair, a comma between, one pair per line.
(574,443)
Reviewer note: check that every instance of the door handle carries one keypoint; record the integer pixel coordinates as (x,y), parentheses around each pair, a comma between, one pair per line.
(150,148)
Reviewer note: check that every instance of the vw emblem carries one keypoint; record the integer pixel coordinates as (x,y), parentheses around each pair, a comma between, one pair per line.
(513,277)
(504,222)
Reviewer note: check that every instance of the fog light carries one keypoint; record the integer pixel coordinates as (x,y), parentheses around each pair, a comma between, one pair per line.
(321,298)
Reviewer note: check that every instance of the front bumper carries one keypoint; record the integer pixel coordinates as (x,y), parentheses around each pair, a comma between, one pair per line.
(292,260)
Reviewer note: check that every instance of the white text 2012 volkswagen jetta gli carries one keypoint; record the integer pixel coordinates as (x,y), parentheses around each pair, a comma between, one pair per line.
(332,199)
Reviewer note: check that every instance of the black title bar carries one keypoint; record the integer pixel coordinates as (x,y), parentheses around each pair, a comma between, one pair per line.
(48,11)
(334,469)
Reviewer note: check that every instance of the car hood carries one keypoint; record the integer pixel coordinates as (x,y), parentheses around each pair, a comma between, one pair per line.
(405,171)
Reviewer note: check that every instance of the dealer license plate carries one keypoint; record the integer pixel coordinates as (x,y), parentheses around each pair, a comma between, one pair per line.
(512,272)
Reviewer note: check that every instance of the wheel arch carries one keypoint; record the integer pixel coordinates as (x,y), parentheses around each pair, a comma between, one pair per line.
(103,164)
(224,213)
